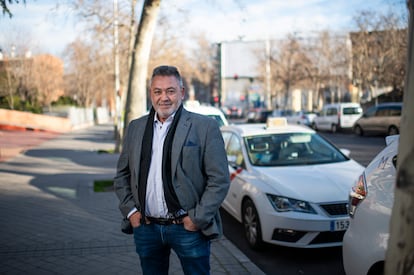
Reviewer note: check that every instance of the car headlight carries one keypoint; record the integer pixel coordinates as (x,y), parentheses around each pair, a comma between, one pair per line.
(283,204)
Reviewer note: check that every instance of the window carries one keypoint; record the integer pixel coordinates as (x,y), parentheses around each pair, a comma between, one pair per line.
(331,111)
(383,111)
(290,149)
(352,111)
(388,111)
(370,112)
(262,149)
(395,110)
(226,137)
(234,151)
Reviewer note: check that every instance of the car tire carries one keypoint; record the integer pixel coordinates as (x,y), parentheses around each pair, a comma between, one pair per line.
(377,269)
(251,224)
(392,130)
(334,128)
(358,130)
(313,126)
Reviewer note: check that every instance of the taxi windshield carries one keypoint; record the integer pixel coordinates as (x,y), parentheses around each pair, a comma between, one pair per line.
(291,149)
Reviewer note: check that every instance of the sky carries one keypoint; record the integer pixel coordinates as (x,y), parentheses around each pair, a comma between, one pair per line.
(39,27)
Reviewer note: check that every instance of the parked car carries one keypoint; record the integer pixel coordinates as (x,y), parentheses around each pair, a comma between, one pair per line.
(233,111)
(337,116)
(282,113)
(302,117)
(370,202)
(213,112)
(383,119)
(258,115)
(289,185)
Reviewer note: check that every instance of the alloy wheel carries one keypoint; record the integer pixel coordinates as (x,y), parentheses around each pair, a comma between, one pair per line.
(251,225)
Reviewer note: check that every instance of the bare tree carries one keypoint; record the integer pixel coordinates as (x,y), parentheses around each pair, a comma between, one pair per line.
(125,51)
(196,66)
(167,48)
(8,81)
(35,81)
(317,70)
(265,56)
(204,67)
(136,101)
(337,56)
(48,78)
(328,67)
(5,8)
(89,73)
(104,23)
(288,66)
(17,64)
(400,252)
(378,55)
(313,63)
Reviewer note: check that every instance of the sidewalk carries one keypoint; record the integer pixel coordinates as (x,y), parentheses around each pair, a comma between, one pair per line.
(52,222)
(16,141)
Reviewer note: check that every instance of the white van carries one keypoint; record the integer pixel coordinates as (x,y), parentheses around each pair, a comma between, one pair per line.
(337,116)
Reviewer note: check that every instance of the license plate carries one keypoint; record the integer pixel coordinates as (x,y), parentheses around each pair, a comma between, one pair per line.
(339,225)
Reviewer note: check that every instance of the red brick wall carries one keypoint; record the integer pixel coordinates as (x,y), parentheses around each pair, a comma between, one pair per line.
(25,120)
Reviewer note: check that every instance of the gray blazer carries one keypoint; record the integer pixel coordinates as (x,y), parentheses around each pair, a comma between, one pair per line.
(199,169)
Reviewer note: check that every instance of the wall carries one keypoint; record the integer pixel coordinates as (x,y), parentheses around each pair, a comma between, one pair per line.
(60,121)
(25,120)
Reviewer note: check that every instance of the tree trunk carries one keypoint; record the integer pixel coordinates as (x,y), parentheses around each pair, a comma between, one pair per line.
(400,253)
(136,101)
(117,95)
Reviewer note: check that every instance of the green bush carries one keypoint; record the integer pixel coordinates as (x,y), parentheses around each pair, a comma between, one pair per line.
(20,105)
(64,101)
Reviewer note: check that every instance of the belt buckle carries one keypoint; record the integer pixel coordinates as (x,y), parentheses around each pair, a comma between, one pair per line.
(165,221)
(161,221)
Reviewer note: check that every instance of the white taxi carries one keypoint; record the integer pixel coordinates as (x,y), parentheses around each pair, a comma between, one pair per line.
(371,201)
(289,185)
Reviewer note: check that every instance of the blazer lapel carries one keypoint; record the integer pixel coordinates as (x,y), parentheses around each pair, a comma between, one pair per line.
(181,133)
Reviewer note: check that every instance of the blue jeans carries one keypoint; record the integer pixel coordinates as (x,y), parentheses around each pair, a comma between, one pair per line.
(154,243)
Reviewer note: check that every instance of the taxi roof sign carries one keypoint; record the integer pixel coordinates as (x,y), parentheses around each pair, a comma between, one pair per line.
(274,122)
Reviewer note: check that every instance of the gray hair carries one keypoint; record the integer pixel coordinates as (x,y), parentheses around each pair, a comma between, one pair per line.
(165,70)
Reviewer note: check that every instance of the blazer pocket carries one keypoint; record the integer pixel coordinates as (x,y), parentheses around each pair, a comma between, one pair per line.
(191,163)
(191,154)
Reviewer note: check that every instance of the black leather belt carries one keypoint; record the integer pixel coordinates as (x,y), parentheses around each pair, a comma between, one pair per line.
(165,221)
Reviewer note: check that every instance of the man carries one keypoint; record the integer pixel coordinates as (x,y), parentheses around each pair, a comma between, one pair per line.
(171,179)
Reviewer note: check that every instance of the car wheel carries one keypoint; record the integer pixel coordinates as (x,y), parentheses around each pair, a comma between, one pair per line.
(393,130)
(358,130)
(377,269)
(251,223)
(334,128)
(313,126)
